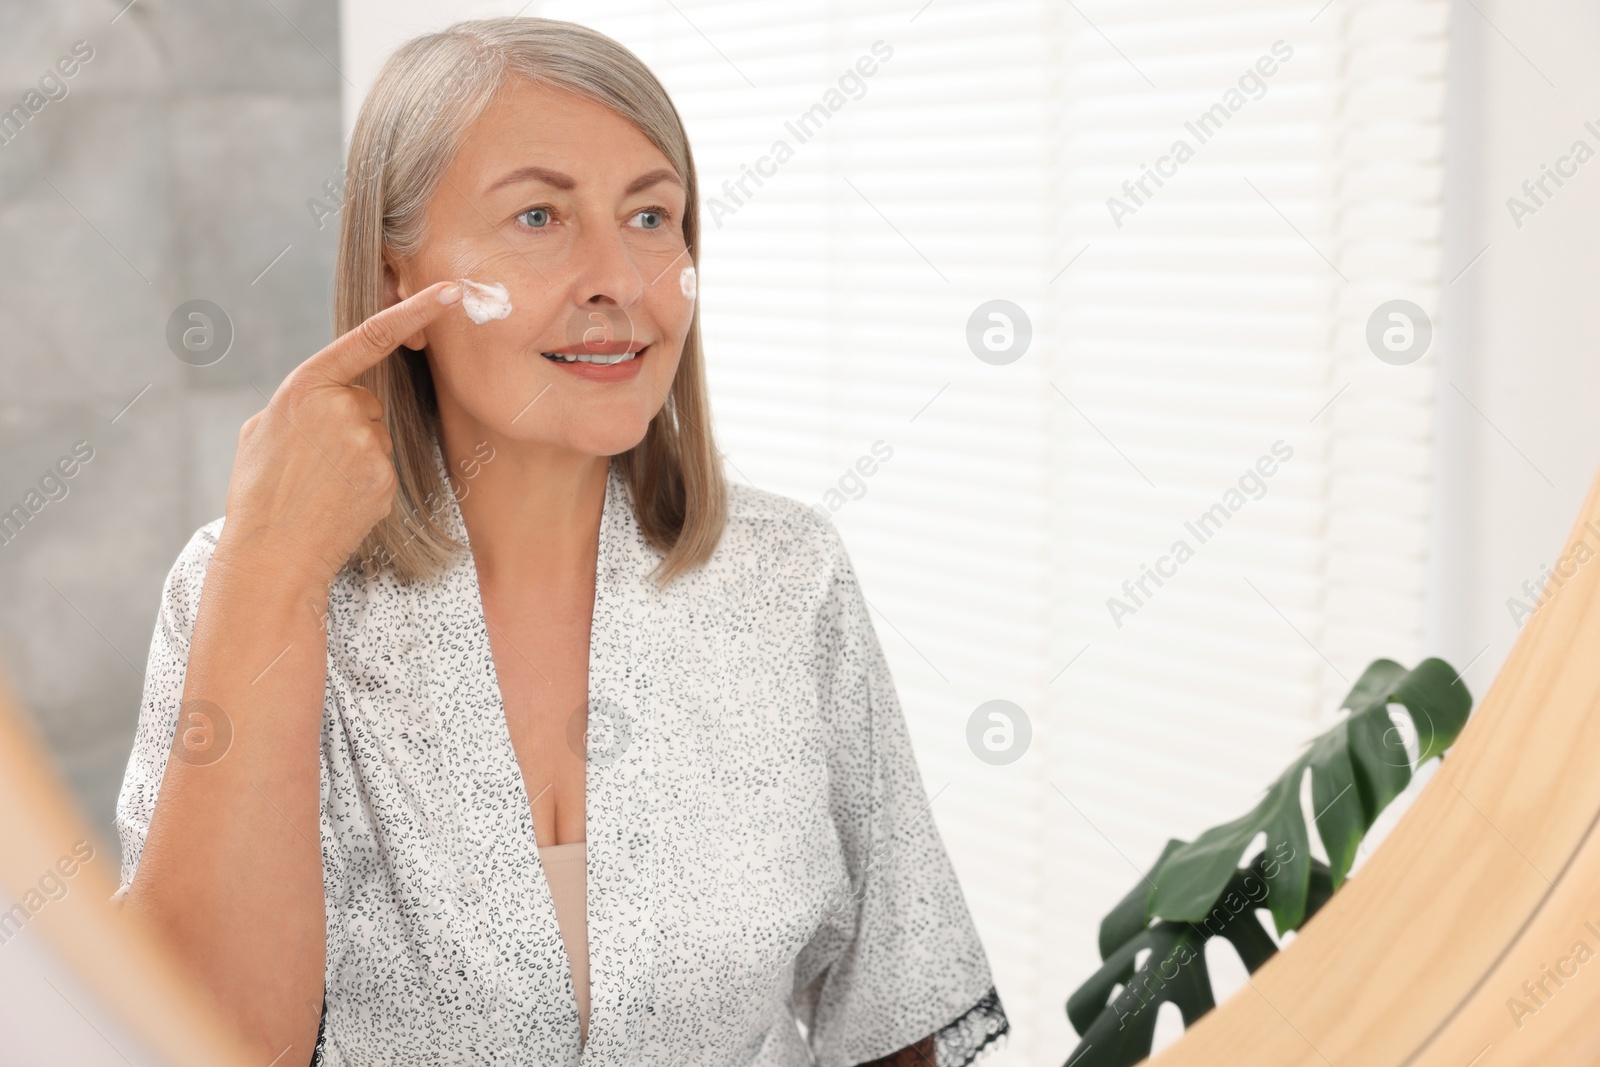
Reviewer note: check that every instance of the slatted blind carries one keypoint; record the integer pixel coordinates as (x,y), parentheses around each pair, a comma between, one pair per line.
(1229,312)
(992,509)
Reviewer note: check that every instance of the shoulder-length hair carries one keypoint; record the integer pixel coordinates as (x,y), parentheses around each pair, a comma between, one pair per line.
(406,135)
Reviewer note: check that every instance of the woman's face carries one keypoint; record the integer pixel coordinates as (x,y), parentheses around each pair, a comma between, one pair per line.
(580,217)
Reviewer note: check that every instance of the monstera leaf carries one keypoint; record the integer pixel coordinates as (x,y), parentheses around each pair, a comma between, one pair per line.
(1153,941)
(1119,1029)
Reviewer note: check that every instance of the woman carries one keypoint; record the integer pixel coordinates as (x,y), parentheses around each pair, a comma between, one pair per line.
(506,732)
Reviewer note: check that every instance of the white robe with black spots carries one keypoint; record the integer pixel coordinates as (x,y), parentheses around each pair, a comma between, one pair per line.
(766,885)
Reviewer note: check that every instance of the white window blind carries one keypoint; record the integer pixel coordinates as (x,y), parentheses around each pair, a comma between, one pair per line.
(1006,503)
(1227,314)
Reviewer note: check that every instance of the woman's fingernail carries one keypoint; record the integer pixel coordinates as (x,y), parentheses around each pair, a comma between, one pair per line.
(450,294)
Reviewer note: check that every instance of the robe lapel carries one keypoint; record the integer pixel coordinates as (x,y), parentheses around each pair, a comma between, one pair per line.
(621,817)
(621,814)
(522,977)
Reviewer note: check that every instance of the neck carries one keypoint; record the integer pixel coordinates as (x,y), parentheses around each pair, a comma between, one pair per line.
(532,510)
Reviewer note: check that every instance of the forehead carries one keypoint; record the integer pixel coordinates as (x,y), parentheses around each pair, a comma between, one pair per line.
(528,123)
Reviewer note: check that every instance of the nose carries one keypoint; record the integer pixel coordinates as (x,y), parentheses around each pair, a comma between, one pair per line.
(606,271)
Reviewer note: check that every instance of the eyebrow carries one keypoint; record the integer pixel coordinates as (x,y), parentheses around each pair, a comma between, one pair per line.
(565,181)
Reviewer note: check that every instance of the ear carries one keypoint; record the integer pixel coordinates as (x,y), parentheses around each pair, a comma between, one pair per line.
(396,289)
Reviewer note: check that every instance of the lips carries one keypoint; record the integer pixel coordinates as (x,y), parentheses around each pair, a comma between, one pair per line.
(601,366)
(601,353)
(601,360)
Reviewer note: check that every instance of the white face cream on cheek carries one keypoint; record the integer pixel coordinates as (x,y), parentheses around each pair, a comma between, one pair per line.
(484,301)
(688,284)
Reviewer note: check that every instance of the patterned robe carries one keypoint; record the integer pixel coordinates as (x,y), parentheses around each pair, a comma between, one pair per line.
(766,886)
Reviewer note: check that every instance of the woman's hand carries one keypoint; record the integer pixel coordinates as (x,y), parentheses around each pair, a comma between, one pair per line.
(314,470)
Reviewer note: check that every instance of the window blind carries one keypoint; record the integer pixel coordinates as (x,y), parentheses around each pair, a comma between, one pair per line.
(1229,312)
(996,510)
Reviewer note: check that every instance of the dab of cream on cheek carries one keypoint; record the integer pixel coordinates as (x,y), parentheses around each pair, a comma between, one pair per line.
(483,301)
(688,283)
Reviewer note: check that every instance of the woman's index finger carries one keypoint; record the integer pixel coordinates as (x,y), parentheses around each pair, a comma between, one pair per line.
(367,344)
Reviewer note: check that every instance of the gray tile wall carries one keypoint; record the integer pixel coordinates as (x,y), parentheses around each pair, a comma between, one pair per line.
(177,166)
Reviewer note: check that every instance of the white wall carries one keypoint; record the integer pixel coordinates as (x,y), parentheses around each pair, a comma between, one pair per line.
(369,30)
(1518,329)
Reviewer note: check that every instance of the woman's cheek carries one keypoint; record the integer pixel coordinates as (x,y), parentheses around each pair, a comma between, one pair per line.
(675,292)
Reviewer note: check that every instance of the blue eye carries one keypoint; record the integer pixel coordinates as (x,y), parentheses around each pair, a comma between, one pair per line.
(655,218)
(536,218)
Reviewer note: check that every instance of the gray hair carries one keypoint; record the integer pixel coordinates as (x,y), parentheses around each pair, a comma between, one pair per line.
(406,135)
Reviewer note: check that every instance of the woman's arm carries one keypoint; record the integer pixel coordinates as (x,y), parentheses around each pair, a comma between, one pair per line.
(231,868)
(918,1055)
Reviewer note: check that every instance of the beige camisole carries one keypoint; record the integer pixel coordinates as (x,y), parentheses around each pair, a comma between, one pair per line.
(566,869)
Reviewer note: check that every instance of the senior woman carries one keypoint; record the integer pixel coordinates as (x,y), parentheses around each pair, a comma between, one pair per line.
(490,725)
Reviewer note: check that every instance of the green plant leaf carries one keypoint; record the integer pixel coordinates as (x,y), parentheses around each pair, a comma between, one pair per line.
(1132,914)
(1378,755)
(1117,1026)
(1118,1030)
(1357,768)
(1438,702)
(1372,689)
(1194,890)
(1193,876)
(1336,801)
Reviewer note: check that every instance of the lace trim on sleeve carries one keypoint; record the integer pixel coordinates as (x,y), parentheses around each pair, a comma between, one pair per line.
(978,1030)
(322,1024)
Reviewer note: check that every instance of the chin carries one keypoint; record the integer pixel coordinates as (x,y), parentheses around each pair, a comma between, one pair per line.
(607,437)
